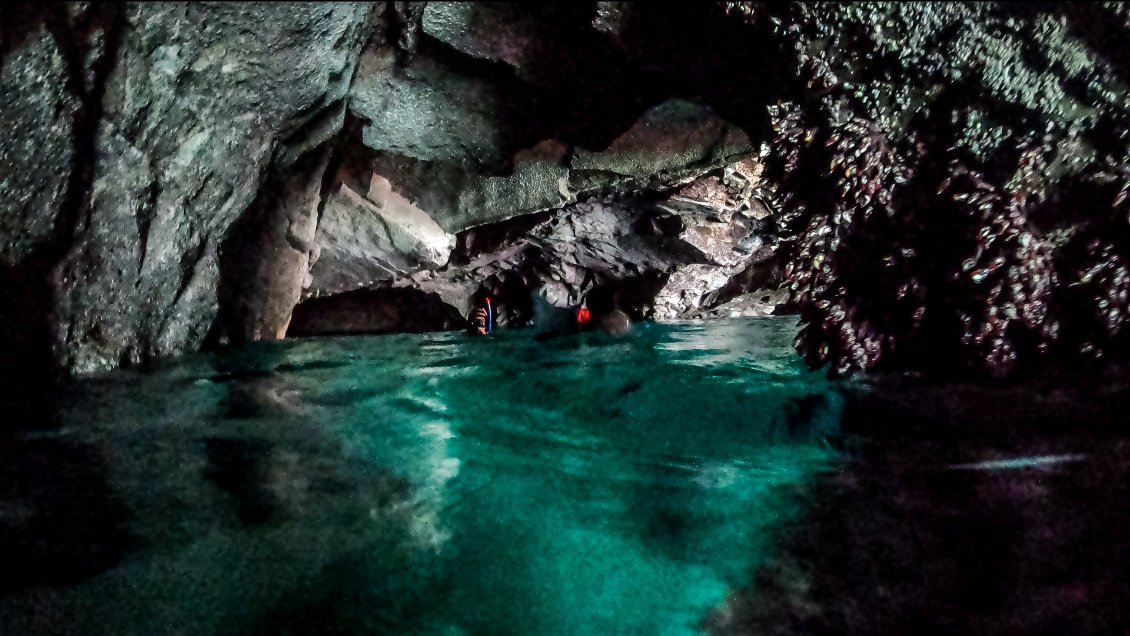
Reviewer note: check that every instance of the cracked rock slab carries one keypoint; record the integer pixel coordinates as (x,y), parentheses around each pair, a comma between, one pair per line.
(362,241)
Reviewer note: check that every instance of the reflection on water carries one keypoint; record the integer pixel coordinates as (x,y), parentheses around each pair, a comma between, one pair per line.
(423,484)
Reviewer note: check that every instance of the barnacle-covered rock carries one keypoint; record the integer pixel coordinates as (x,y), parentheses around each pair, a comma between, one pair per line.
(1002,293)
(1094,268)
(960,124)
(836,193)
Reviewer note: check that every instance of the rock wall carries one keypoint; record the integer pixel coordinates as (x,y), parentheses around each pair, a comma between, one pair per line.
(266,257)
(174,171)
(150,130)
(671,143)
(944,176)
(210,165)
(367,240)
(661,255)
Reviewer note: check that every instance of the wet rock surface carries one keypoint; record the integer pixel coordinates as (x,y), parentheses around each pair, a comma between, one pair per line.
(659,255)
(158,140)
(982,141)
(179,112)
(365,240)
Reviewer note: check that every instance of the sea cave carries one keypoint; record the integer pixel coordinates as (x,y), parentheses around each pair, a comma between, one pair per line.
(482,318)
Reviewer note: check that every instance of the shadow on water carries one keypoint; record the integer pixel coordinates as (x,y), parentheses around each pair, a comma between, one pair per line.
(240,467)
(670,499)
(353,595)
(965,510)
(59,521)
(209,504)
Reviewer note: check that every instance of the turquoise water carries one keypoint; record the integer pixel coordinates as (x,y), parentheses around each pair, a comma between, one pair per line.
(424,484)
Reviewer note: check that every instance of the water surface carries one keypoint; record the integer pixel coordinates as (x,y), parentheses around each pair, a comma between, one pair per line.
(417,484)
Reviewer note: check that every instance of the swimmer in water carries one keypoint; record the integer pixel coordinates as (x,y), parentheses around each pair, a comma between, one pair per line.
(604,314)
(481,321)
(615,322)
(597,312)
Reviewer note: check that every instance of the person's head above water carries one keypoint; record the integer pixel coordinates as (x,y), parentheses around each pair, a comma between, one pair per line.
(597,311)
(481,320)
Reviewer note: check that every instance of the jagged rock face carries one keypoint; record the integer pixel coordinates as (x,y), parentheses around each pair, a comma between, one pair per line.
(673,141)
(670,144)
(168,164)
(37,150)
(155,129)
(725,220)
(661,256)
(188,144)
(363,241)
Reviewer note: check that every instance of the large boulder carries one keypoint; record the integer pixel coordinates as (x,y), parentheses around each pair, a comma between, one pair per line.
(506,32)
(540,181)
(674,140)
(365,240)
(427,111)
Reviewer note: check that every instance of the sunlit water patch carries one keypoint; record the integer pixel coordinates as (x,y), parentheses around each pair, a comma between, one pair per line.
(419,484)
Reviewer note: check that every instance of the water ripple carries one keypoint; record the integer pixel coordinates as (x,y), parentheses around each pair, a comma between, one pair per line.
(408,483)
